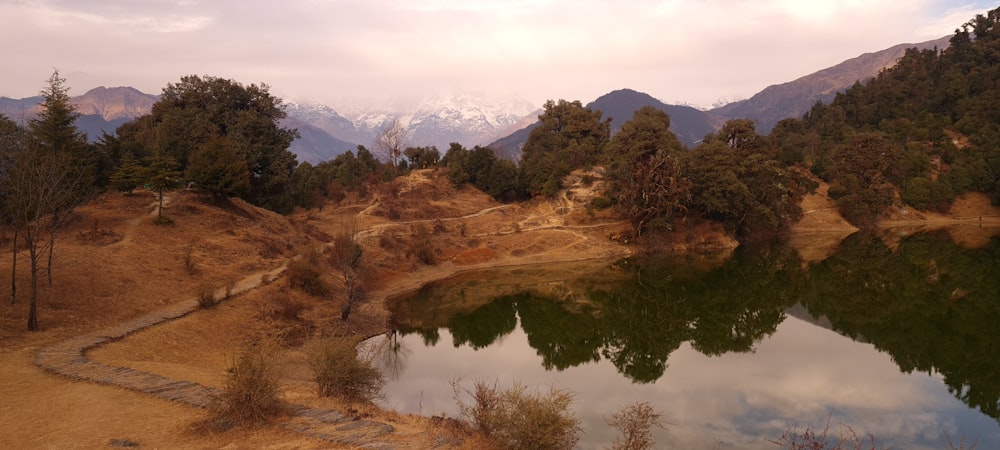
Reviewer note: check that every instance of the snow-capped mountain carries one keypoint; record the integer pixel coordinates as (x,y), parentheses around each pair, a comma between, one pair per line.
(469,119)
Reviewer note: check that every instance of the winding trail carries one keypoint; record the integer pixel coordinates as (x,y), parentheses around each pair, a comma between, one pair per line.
(69,357)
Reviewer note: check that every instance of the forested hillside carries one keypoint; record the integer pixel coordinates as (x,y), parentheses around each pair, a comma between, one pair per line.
(928,129)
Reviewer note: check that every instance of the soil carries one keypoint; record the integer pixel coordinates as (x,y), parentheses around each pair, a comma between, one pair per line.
(112,265)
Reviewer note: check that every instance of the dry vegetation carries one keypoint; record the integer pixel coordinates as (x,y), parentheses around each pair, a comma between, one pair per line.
(112,264)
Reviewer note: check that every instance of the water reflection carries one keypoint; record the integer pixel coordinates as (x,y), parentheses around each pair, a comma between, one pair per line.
(713,348)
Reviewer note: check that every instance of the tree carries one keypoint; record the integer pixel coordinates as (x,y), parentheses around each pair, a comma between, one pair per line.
(12,141)
(865,171)
(656,191)
(217,168)
(422,157)
(163,174)
(38,186)
(751,194)
(196,110)
(129,175)
(54,131)
(644,172)
(569,136)
(389,142)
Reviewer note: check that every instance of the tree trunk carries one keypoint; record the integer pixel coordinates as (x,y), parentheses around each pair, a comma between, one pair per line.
(52,246)
(13,269)
(33,308)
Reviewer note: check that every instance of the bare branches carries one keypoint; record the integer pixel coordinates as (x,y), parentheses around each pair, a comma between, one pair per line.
(390,141)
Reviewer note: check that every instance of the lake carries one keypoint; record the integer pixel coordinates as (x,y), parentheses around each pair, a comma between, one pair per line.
(895,337)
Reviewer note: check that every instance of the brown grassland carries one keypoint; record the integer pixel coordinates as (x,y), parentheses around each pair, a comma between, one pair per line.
(112,264)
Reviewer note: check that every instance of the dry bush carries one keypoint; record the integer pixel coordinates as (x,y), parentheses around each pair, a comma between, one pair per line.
(251,395)
(287,306)
(517,419)
(305,274)
(421,245)
(206,296)
(439,227)
(810,439)
(635,426)
(341,371)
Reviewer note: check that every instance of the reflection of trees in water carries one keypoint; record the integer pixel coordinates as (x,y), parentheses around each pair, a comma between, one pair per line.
(562,339)
(485,325)
(389,354)
(933,306)
(638,322)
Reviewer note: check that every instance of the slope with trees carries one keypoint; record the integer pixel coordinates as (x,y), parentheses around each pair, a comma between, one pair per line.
(926,129)
(219,116)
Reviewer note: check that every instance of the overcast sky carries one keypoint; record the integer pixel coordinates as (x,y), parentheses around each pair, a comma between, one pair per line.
(680,51)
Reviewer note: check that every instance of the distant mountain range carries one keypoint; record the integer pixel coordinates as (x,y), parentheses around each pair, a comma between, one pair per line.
(502,124)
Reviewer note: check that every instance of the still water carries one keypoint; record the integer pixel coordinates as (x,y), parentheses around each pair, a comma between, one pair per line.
(898,340)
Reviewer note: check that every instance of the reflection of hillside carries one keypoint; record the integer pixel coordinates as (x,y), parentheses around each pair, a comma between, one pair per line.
(569,284)
(634,312)
(929,303)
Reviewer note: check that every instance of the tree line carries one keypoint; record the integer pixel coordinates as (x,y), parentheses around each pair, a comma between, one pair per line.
(920,133)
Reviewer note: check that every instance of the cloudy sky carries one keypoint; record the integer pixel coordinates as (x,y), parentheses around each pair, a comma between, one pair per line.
(680,51)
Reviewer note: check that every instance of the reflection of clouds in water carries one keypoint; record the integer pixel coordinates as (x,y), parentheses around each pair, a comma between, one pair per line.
(801,376)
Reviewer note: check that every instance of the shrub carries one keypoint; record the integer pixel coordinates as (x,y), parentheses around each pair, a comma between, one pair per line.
(600,203)
(635,425)
(421,245)
(287,306)
(163,221)
(342,372)
(251,395)
(305,275)
(518,419)
(810,439)
(206,296)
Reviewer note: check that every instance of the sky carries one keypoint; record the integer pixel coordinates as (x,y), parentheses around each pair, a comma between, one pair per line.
(696,52)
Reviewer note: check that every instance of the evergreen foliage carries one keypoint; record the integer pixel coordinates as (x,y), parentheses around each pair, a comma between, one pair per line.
(568,137)
(927,128)
(194,111)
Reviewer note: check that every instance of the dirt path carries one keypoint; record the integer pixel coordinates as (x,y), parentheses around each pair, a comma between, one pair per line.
(69,358)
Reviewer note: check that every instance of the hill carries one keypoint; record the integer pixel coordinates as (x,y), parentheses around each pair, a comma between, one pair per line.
(794,98)
(689,124)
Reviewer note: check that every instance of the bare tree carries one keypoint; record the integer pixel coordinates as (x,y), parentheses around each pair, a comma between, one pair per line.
(345,258)
(390,141)
(38,186)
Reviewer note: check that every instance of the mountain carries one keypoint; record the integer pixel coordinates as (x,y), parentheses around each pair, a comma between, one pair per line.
(469,119)
(101,109)
(689,124)
(117,103)
(795,98)
(314,144)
